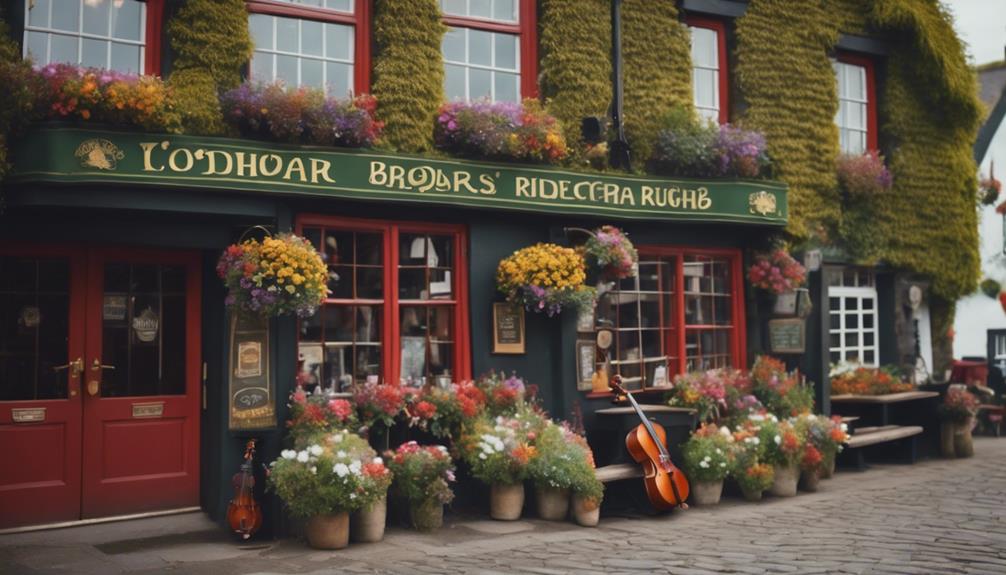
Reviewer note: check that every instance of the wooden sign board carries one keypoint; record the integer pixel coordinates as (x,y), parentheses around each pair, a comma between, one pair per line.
(586,364)
(787,335)
(508,328)
(251,393)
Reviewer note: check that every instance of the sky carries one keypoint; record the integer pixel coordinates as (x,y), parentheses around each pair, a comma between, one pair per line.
(982,26)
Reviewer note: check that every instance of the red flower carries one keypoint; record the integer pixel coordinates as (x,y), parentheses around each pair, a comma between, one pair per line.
(425,410)
(340,408)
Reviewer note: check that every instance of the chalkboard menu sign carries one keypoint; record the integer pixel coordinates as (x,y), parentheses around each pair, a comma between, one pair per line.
(250,392)
(787,335)
(508,328)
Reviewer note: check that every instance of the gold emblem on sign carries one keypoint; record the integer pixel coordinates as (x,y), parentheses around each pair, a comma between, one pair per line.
(98,153)
(762,203)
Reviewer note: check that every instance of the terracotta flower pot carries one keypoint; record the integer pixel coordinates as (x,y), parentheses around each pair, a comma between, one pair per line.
(810,480)
(586,512)
(426,515)
(328,531)
(367,524)
(963,443)
(827,470)
(707,492)
(786,478)
(752,494)
(506,501)
(553,503)
(947,430)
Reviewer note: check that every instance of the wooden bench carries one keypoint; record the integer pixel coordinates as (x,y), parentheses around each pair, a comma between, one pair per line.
(618,472)
(868,436)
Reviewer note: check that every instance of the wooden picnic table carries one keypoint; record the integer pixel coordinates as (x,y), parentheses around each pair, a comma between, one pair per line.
(877,403)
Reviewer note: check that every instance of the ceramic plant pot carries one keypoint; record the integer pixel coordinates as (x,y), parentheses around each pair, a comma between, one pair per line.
(553,503)
(707,492)
(367,524)
(786,479)
(752,494)
(328,531)
(586,512)
(506,501)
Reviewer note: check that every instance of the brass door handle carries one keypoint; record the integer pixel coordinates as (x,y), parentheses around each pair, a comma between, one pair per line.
(76,367)
(97,365)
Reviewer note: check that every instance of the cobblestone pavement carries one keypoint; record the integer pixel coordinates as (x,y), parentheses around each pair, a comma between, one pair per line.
(933,517)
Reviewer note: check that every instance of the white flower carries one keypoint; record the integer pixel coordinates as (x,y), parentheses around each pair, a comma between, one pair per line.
(707,458)
(724,464)
(315,450)
(341,454)
(844,427)
(355,467)
(338,438)
(352,496)
(748,439)
(778,440)
(482,456)
(811,416)
(725,432)
(704,464)
(288,454)
(718,450)
(756,417)
(757,440)
(378,461)
(442,448)
(341,469)
(302,456)
(314,470)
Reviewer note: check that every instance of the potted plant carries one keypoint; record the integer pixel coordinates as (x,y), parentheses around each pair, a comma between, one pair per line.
(957,413)
(854,379)
(810,467)
(545,278)
(827,436)
(377,406)
(423,474)
(779,274)
(280,275)
(498,452)
(588,491)
(563,464)
(323,483)
(707,457)
(315,415)
(609,249)
(747,469)
(783,448)
(780,391)
(367,523)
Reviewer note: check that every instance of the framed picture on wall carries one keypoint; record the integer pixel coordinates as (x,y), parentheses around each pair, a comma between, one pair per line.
(508,328)
(585,320)
(586,363)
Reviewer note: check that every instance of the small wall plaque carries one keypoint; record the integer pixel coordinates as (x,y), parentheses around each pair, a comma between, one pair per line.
(787,335)
(27,414)
(508,328)
(152,409)
(586,364)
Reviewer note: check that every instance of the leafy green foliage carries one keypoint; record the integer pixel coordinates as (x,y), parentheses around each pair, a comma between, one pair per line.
(685,146)
(707,454)
(408,71)
(17,96)
(212,35)
(197,103)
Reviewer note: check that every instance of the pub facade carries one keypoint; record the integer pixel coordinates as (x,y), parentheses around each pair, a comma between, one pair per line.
(126,385)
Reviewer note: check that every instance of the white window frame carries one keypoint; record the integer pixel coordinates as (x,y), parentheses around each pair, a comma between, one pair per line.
(860,294)
(80,35)
(842,69)
(273,52)
(705,111)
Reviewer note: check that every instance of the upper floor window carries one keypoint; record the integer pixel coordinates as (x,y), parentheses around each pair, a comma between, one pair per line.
(314,43)
(120,35)
(489,50)
(709,68)
(856,116)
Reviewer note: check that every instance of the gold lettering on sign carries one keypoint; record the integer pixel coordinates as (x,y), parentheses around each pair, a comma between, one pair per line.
(152,409)
(425,178)
(252,165)
(27,414)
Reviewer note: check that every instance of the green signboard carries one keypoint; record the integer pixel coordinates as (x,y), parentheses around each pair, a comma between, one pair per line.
(76,155)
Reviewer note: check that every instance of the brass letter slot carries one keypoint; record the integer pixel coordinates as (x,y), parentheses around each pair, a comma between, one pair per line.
(28,414)
(155,409)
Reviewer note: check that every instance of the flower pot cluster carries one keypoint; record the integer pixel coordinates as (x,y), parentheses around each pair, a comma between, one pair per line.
(854,379)
(957,419)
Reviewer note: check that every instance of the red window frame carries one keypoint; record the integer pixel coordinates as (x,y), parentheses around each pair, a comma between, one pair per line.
(738,347)
(359,19)
(871,95)
(525,28)
(391,333)
(720,28)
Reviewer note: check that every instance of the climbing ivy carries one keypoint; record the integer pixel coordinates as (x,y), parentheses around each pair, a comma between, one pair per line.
(408,71)
(658,70)
(212,43)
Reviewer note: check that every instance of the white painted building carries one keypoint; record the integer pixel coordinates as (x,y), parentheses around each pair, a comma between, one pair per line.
(977,314)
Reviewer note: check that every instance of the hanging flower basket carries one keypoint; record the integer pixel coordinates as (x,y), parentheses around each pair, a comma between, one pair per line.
(610,250)
(777,272)
(545,278)
(278,276)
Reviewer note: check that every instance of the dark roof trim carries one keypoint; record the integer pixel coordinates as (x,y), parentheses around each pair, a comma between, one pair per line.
(988,129)
(727,8)
(863,45)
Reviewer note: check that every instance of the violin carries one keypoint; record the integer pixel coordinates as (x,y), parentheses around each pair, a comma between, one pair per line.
(244,514)
(666,485)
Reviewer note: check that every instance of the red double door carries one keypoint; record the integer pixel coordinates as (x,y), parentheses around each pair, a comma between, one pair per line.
(99,382)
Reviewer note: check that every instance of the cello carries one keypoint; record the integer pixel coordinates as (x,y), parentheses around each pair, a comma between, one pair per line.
(666,485)
(244,514)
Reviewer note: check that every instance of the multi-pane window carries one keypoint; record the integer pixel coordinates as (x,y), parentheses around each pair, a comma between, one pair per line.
(395,312)
(484,48)
(314,43)
(108,34)
(675,293)
(854,105)
(708,70)
(852,316)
